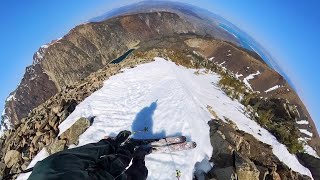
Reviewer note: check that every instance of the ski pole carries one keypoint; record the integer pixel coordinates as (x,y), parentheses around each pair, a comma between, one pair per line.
(178,172)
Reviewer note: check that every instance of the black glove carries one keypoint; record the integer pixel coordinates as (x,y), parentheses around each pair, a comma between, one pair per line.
(141,152)
(122,137)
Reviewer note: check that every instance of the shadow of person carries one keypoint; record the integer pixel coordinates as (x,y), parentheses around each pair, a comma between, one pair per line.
(143,121)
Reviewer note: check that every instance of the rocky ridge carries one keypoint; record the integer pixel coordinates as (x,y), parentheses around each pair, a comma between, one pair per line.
(238,155)
(40,128)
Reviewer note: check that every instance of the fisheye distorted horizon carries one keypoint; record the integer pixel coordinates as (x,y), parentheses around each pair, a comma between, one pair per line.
(287,29)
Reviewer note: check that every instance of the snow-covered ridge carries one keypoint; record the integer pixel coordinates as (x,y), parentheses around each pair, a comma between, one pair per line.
(170,100)
(39,55)
(11,97)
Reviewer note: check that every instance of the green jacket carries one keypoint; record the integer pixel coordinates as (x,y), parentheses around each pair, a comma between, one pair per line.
(105,160)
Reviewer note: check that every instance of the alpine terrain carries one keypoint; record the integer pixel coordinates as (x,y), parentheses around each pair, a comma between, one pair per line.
(162,69)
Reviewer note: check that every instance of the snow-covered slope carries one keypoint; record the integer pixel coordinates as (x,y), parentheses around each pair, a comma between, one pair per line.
(170,100)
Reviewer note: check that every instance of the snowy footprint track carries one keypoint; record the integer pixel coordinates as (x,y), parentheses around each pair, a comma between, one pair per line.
(171,100)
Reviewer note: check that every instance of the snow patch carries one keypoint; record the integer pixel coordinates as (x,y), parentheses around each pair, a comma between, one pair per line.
(45,46)
(308,149)
(302,122)
(251,76)
(238,75)
(211,59)
(11,97)
(147,22)
(306,132)
(273,88)
(304,139)
(39,55)
(196,53)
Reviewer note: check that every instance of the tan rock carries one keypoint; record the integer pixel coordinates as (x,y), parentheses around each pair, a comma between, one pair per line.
(275,176)
(35,140)
(37,124)
(44,123)
(53,121)
(56,109)
(245,168)
(73,133)
(57,146)
(38,133)
(11,158)
(47,139)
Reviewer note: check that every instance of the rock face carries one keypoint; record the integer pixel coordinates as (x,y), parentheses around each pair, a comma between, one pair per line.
(34,89)
(239,155)
(245,169)
(73,133)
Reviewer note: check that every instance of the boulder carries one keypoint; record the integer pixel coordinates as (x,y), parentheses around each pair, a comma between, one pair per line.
(245,168)
(11,158)
(53,120)
(73,133)
(222,150)
(227,173)
(56,109)
(245,155)
(57,146)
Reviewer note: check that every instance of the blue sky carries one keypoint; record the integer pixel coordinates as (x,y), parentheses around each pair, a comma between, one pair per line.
(289,30)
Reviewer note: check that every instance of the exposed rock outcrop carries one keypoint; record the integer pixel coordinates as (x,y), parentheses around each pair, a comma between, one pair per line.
(73,133)
(237,154)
